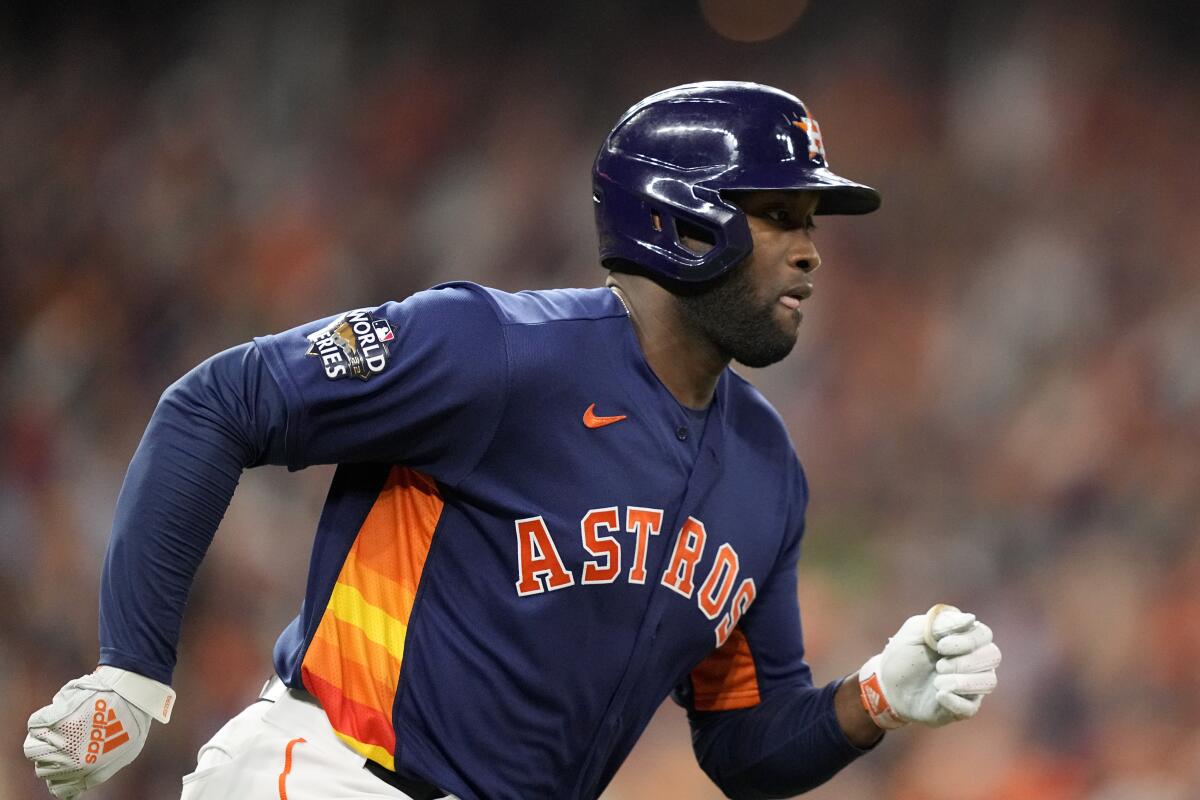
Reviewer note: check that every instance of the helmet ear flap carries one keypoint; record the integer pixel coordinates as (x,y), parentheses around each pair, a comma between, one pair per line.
(673,224)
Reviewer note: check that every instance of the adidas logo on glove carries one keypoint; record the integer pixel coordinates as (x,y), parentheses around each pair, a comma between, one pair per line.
(107,732)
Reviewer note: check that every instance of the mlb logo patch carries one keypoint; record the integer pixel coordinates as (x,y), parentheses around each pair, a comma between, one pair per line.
(383,330)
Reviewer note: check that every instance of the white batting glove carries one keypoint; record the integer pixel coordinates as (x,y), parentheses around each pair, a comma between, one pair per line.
(95,725)
(910,681)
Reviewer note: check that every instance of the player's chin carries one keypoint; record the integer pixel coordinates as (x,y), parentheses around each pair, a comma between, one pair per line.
(768,347)
(767,354)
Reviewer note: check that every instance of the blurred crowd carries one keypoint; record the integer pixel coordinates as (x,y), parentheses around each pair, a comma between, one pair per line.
(996,393)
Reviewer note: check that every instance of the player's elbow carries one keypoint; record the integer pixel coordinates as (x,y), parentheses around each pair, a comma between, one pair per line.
(720,752)
(774,750)
(751,784)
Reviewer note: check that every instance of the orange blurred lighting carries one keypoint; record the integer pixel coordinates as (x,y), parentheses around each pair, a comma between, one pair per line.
(751,20)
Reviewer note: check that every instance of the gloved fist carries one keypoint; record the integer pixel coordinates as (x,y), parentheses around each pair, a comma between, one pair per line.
(95,725)
(911,682)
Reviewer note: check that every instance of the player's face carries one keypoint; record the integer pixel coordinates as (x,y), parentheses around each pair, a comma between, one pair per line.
(752,313)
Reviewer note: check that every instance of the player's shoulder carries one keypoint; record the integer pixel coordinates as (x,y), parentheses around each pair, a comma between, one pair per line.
(532,307)
(748,402)
(751,416)
(751,419)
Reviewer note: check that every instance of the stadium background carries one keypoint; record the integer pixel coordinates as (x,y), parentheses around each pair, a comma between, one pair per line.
(996,391)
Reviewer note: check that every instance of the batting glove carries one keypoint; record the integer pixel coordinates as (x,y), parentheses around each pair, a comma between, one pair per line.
(935,670)
(95,725)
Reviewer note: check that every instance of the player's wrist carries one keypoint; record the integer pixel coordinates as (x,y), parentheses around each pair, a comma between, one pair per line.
(148,695)
(856,724)
(874,699)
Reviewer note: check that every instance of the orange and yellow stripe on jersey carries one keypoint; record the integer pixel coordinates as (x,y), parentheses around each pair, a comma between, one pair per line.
(353,662)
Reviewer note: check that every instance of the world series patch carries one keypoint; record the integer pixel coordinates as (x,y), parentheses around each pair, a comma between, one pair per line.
(355,344)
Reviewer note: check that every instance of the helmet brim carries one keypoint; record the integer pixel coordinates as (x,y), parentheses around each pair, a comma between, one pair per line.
(836,195)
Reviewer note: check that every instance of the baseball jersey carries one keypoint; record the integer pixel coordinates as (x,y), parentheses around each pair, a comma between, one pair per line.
(527,545)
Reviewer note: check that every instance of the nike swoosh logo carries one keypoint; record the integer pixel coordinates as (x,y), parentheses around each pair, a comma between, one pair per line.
(592,421)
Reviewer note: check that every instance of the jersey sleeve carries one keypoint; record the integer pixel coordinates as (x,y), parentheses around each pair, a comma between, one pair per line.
(421,382)
(223,416)
(760,728)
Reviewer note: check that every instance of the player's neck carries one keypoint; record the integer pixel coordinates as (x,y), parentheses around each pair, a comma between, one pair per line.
(688,366)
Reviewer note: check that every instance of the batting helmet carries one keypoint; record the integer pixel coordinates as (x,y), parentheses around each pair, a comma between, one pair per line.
(661,171)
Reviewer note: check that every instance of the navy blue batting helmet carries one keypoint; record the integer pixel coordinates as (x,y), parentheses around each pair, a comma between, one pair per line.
(660,173)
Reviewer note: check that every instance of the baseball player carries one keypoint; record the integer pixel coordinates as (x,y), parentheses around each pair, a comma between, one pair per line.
(551,511)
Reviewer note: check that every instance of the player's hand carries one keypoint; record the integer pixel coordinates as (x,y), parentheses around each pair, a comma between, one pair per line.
(912,682)
(95,725)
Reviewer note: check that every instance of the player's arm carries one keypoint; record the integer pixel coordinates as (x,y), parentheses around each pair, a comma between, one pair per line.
(223,416)
(290,399)
(785,745)
(770,732)
(798,737)
(268,402)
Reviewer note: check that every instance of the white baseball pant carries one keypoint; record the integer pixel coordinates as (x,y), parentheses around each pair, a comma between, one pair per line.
(282,750)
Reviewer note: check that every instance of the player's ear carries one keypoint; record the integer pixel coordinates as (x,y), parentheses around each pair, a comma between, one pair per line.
(694,238)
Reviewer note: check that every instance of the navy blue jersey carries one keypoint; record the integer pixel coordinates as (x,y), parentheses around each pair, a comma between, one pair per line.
(542,546)
(527,546)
